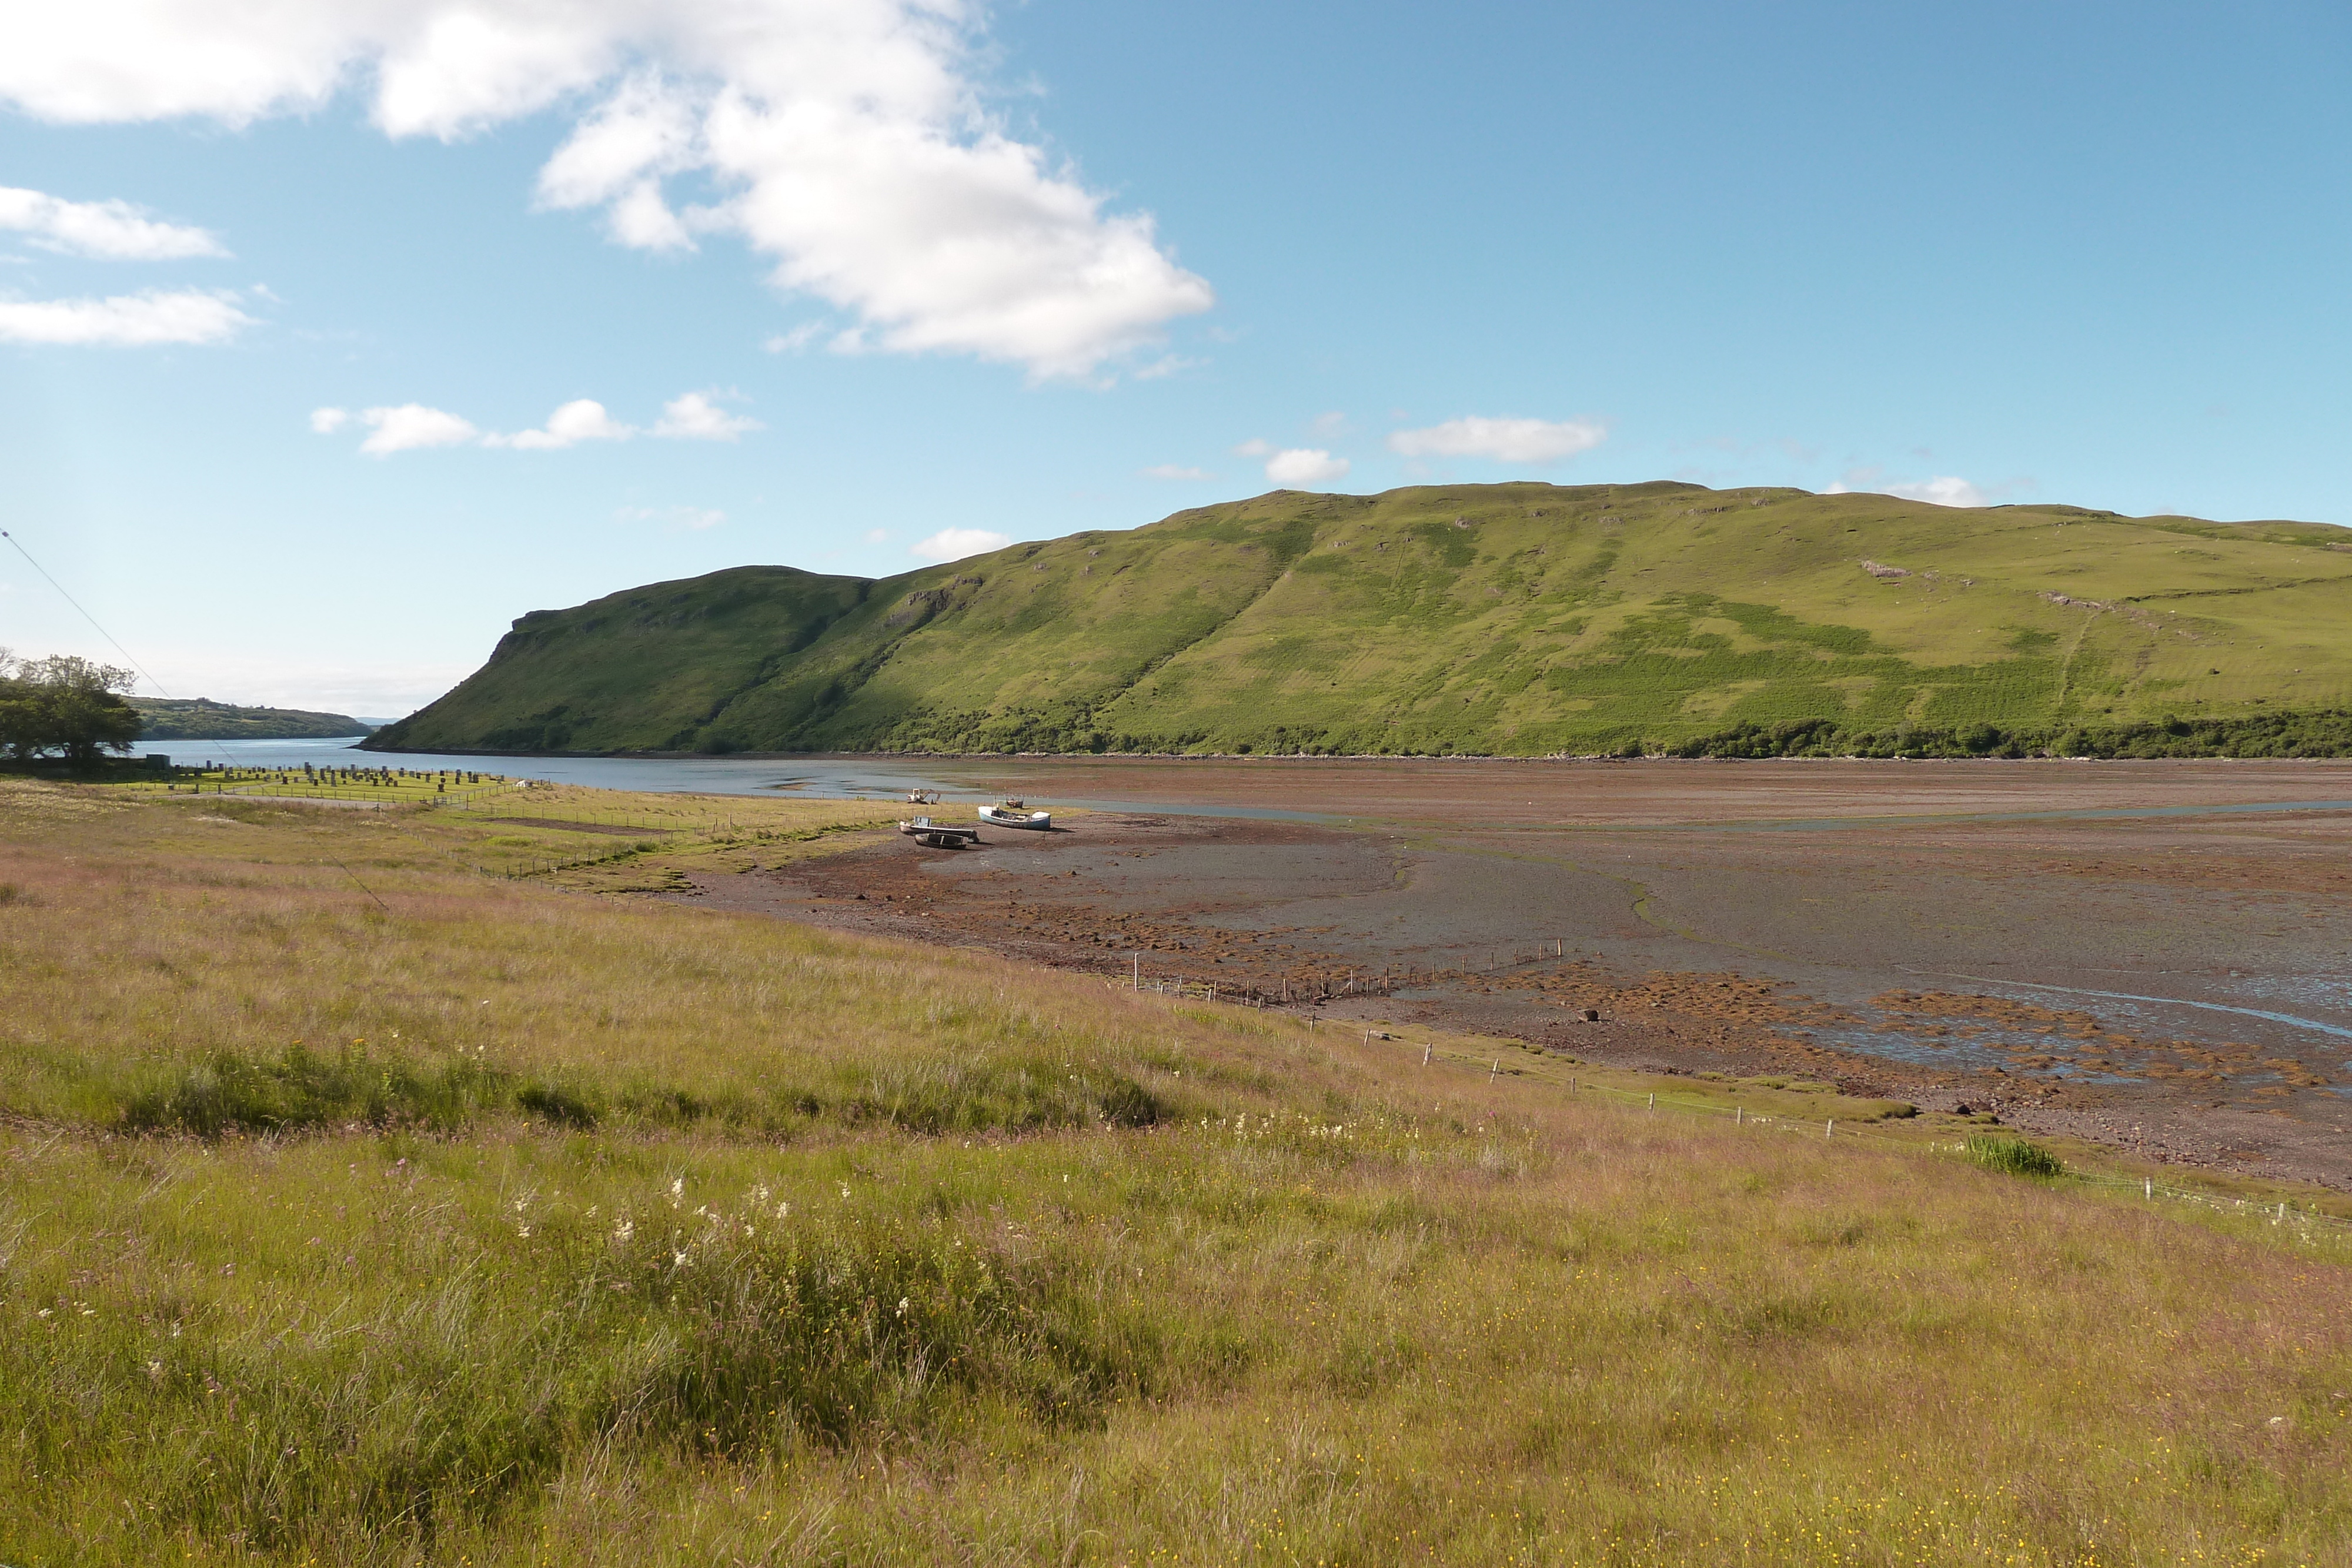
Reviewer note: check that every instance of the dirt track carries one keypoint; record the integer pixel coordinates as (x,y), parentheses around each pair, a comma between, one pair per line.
(1918,930)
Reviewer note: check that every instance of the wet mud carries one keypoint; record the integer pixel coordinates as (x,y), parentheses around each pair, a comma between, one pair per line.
(2114,952)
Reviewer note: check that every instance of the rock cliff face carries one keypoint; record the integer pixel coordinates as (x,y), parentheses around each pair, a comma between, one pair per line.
(1506,619)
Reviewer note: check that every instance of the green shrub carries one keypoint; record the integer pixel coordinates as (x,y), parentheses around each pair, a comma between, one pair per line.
(2015,1156)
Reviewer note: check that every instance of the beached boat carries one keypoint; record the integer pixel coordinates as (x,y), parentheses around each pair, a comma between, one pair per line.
(1016,814)
(938,835)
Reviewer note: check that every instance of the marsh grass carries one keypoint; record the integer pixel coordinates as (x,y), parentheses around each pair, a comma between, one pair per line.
(2017,1156)
(955,1262)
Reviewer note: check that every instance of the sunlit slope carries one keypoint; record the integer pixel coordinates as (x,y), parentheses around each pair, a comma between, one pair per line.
(643,670)
(1513,617)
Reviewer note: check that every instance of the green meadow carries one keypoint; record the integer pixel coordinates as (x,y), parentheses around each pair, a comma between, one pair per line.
(1520,620)
(359,1207)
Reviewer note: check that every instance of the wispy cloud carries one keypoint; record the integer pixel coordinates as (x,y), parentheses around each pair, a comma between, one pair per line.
(954,544)
(851,142)
(126,321)
(110,231)
(1501,440)
(793,341)
(692,519)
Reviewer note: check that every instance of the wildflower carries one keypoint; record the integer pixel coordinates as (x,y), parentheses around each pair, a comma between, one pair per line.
(759,1193)
(902,1306)
(678,1260)
(783,1211)
(622,1231)
(844,1192)
(678,1188)
(42,1313)
(523,1231)
(155,1370)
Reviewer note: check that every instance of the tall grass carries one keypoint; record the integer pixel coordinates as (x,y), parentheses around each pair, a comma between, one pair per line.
(1304,1300)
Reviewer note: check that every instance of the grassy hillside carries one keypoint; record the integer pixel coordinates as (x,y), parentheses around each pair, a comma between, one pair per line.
(358,1208)
(200,719)
(1515,619)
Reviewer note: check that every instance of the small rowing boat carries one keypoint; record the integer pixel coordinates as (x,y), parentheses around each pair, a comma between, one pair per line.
(1012,814)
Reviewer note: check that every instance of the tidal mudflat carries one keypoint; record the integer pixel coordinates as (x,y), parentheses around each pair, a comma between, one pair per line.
(2150,954)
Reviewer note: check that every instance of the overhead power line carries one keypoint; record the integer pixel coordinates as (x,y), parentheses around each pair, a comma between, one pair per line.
(86,615)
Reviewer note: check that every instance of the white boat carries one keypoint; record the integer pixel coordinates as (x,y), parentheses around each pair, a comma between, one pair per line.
(938,835)
(1012,814)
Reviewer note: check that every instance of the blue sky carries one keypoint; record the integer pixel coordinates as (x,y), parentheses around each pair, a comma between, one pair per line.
(860,282)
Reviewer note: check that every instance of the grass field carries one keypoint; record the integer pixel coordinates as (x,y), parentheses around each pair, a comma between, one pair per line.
(1506,619)
(357,1207)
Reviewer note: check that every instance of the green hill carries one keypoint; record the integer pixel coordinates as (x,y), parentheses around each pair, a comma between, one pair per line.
(201,718)
(1511,618)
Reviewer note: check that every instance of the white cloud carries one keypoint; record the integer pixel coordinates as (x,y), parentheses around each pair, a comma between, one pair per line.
(111,231)
(694,417)
(582,419)
(690,417)
(125,320)
(847,140)
(1304,465)
(1943,490)
(1175,471)
(1255,447)
(876,536)
(1330,426)
(1503,440)
(954,544)
(413,425)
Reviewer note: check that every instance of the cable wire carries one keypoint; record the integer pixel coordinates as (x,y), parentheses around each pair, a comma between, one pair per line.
(86,615)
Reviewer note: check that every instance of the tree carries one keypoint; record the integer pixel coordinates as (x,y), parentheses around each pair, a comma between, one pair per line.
(63,704)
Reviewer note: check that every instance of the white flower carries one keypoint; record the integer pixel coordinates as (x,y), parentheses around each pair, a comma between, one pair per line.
(523,1231)
(622,1231)
(678,1188)
(783,1211)
(844,1192)
(678,1260)
(902,1306)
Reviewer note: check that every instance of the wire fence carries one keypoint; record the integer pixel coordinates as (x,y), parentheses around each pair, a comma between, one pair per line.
(2306,1222)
